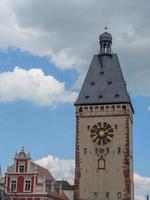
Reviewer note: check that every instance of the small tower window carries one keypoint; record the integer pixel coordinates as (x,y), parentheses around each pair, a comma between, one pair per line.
(91,108)
(109,82)
(96,107)
(100,96)
(116,96)
(85,108)
(101,72)
(124,107)
(102,108)
(107,107)
(87,97)
(92,83)
(118,107)
(80,109)
(113,107)
(116,126)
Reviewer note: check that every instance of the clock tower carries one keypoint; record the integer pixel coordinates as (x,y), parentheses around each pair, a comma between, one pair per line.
(104,162)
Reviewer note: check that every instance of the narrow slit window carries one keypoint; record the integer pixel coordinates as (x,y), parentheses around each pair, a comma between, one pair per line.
(107,194)
(119,150)
(107,150)
(100,96)
(92,83)
(85,150)
(109,83)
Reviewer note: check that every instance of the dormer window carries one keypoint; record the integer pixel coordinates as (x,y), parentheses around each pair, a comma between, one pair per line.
(21,168)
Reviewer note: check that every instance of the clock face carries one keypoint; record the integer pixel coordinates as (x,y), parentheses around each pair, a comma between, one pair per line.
(101,133)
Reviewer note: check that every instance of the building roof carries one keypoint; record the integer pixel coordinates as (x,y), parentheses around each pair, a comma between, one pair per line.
(104,82)
(66,185)
(43,172)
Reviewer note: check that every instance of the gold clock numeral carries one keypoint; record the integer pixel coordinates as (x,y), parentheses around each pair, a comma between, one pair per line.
(99,124)
(93,130)
(108,126)
(95,127)
(108,137)
(104,124)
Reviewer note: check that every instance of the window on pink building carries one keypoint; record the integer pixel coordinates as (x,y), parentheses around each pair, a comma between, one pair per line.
(27,185)
(13,185)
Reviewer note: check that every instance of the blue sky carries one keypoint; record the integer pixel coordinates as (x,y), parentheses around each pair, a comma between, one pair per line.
(41,129)
(45,52)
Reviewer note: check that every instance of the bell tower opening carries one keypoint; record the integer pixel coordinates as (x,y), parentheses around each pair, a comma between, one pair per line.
(105,41)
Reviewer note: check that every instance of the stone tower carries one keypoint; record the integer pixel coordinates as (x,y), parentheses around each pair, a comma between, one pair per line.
(104,162)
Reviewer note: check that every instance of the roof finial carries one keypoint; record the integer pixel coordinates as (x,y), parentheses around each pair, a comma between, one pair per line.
(106,26)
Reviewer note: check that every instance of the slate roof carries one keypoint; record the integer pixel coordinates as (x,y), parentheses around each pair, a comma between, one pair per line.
(104,82)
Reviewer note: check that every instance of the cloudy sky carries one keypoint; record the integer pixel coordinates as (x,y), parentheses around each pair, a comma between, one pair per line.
(46,47)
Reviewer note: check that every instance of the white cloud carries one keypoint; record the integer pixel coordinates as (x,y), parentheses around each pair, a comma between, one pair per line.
(64,169)
(142,185)
(148,108)
(33,85)
(67,33)
(60,168)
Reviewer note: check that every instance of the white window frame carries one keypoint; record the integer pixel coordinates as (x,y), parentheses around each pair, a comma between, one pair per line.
(25,185)
(11,185)
(21,164)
